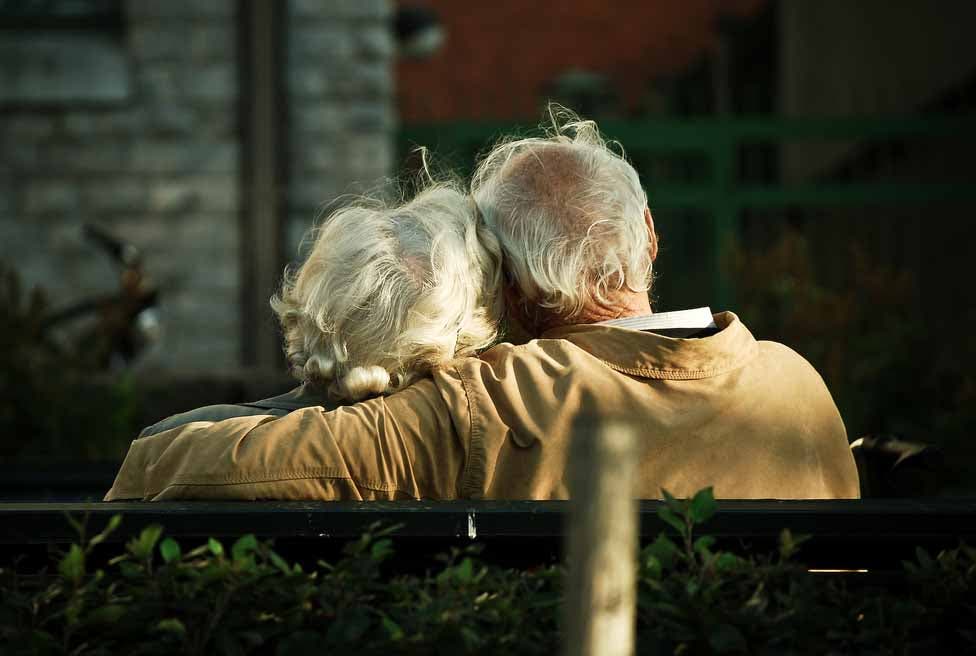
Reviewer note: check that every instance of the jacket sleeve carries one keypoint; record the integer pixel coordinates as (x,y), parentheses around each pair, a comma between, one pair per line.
(402,446)
(211,413)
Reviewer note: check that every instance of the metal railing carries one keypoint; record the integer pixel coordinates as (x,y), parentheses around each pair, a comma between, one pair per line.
(721,193)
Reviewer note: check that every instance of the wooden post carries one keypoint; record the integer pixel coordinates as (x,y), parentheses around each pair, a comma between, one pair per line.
(601,543)
(262,115)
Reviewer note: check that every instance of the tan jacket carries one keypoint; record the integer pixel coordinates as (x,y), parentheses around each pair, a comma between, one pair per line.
(753,419)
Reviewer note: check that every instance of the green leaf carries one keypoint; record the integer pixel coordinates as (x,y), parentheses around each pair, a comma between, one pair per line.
(789,544)
(702,506)
(381,549)
(72,566)
(131,571)
(726,561)
(108,614)
(392,629)
(113,523)
(672,503)
(465,571)
(197,552)
(652,566)
(924,559)
(703,544)
(471,638)
(215,547)
(78,525)
(72,611)
(169,549)
(668,516)
(142,547)
(243,546)
(280,563)
(171,625)
(664,550)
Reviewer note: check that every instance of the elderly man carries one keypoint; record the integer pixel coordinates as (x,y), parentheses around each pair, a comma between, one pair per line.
(712,405)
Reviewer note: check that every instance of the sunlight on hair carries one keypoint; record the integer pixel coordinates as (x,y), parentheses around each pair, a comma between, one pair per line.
(569,213)
(390,291)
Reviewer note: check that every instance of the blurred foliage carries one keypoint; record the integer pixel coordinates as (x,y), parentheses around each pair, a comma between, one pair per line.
(157,598)
(53,406)
(888,369)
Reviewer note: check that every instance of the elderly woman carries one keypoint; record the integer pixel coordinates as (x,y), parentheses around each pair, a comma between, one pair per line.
(385,295)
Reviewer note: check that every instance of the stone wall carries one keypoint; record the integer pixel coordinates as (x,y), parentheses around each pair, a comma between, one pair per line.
(162,169)
(340,106)
(159,169)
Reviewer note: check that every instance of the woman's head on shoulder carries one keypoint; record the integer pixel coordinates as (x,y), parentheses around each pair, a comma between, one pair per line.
(391,290)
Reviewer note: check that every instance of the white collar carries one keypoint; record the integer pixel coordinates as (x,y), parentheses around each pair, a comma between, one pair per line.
(696,319)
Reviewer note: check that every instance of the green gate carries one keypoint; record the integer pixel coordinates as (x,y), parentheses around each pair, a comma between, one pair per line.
(693,172)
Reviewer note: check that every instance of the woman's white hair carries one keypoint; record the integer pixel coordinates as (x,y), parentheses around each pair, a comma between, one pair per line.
(569,213)
(387,293)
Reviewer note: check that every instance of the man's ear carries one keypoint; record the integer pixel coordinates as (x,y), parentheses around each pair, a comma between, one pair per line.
(651,235)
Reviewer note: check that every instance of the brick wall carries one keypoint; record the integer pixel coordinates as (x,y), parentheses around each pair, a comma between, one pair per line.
(499,57)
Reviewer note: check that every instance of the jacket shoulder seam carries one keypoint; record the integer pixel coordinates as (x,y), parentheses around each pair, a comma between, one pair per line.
(475,458)
(684,374)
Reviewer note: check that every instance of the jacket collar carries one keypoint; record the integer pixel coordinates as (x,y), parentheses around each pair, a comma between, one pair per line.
(649,355)
(303,396)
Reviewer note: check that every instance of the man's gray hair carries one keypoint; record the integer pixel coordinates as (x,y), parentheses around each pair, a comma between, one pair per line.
(387,293)
(569,213)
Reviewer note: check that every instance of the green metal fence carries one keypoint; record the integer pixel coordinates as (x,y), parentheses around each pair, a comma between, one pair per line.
(711,183)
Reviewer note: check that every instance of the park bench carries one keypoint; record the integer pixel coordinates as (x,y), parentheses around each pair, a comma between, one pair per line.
(873,534)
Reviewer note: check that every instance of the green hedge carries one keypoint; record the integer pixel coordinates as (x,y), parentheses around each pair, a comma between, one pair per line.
(157,598)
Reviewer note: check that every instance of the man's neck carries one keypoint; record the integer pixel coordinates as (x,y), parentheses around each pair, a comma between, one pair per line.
(622,304)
